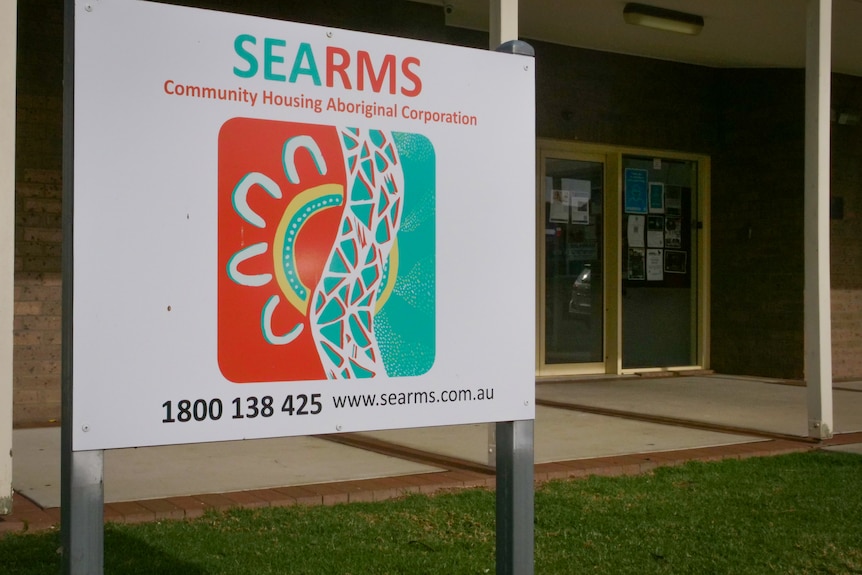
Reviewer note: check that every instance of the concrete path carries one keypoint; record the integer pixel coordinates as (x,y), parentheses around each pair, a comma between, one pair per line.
(741,403)
(170,471)
(690,412)
(176,470)
(562,435)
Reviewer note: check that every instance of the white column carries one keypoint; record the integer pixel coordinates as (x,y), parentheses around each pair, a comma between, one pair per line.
(504,22)
(8,29)
(817,305)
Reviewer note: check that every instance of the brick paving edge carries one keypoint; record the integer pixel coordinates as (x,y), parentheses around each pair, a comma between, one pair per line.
(27,516)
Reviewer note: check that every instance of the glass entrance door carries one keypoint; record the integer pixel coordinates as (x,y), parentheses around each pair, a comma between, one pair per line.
(659,262)
(622,260)
(572,224)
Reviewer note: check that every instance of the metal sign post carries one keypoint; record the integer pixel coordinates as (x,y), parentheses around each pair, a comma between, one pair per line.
(81,482)
(515,489)
(513,440)
(82,520)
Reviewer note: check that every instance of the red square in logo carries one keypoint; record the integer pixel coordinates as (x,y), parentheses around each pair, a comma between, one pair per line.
(280,186)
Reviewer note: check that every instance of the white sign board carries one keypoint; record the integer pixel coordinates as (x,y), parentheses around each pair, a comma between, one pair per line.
(283,229)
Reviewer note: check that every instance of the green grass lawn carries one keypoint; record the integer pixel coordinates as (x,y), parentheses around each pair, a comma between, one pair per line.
(799,513)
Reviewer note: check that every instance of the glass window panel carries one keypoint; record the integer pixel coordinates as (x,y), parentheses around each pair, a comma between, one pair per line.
(573,227)
(658,262)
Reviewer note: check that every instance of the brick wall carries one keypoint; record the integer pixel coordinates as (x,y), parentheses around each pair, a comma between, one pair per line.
(846,233)
(623,100)
(757,218)
(846,333)
(36,357)
(38,244)
(38,207)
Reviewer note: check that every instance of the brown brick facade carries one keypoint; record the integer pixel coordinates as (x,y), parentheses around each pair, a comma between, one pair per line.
(846,333)
(36,356)
(38,210)
(38,244)
(749,121)
(847,183)
(846,232)
(757,224)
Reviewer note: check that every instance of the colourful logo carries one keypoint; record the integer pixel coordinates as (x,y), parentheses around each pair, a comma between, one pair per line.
(326,252)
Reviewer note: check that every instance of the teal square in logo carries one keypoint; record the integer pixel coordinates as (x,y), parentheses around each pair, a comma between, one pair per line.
(405,324)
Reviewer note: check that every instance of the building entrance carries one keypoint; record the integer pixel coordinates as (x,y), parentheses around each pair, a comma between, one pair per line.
(623,251)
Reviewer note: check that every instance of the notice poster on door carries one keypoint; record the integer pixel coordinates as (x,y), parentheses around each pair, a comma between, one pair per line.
(656,198)
(636,191)
(636,264)
(636,231)
(655,231)
(654,265)
(579,198)
(673,201)
(558,211)
(672,232)
(675,261)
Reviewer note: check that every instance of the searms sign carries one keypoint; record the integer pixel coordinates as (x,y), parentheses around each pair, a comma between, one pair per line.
(283,229)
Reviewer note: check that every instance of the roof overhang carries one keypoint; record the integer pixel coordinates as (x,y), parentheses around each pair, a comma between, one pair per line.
(736,33)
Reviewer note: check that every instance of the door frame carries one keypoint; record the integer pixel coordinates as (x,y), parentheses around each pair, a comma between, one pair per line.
(611,157)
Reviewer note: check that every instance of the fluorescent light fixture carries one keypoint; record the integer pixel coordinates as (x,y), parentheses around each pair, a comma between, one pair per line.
(662,19)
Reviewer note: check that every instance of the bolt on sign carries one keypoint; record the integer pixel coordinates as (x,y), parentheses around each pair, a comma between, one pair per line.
(283,229)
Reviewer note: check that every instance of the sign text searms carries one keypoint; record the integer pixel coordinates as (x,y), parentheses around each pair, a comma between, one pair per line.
(342,68)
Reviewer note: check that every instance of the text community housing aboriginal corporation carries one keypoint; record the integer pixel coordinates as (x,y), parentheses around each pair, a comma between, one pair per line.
(318,105)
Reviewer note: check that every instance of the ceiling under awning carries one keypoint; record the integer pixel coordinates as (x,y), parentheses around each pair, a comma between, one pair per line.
(736,33)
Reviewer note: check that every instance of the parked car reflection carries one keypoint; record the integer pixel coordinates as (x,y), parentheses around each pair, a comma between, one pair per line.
(581,302)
